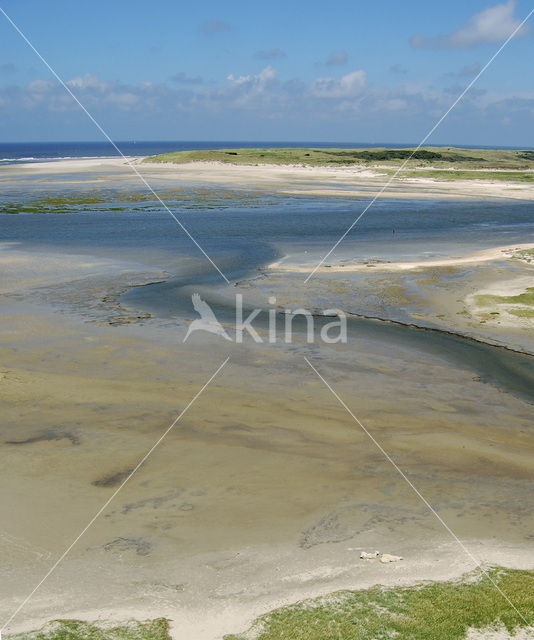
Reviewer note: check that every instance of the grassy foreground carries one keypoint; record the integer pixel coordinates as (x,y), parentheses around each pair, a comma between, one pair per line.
(436,611)
(438,157)
(432,611)
(76,630)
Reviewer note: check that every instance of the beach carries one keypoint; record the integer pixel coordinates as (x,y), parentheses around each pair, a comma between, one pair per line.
(291,180)
(266,490)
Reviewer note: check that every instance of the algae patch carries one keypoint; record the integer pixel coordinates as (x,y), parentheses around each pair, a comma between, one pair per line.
(491,306)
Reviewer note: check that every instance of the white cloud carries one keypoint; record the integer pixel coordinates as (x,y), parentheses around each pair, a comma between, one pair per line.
(256,82)
(263,97)
(122,98)
(491,26)
(40,86)
(253,91)
(88,81)
(349,85)
(395,104)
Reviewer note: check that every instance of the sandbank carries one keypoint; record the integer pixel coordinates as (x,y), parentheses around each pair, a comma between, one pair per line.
(486,255)
(285,179)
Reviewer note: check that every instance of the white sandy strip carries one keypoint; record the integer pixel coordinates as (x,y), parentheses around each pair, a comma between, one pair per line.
(500,633)
(504,288)
(360,182)
(204,617)
(70,165)
(486,255)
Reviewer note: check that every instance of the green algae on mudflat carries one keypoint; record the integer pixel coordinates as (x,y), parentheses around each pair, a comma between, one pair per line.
(526,298)
(119,200)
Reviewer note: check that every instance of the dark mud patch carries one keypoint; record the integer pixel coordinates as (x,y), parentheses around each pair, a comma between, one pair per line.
(49,436)
(112,480)
(155,503)
(345,522)
(140,546)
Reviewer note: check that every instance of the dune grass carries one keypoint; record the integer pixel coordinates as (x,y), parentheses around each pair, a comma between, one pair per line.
(157,629)
(459,174)
(430,611)
(439,157)
(436,611)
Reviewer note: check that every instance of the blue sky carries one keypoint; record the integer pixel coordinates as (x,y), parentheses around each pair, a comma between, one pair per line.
(344,71)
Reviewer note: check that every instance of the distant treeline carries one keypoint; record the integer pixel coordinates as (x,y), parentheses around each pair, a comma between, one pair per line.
(401,154)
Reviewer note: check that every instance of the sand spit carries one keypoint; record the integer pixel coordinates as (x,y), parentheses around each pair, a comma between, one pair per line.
(486,255)
(363,182)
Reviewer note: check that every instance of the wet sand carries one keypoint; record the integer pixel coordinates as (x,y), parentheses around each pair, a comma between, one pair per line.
(441,293)
(264,493)
(477,257)
(266,490)
(291,180)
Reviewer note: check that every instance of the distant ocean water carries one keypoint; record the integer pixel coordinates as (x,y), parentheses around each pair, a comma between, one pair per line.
(20,152)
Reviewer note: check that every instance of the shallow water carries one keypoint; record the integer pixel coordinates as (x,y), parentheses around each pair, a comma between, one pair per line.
(242,233)
(241,238)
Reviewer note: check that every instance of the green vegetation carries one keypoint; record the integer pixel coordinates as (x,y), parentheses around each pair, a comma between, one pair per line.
(437,611)
(77,201)
(430,611)
(401,154)
(520,305)
(522,313)
(76,630)
(457,174)
(439,157)
(526,298)
(527,255)
(120,200)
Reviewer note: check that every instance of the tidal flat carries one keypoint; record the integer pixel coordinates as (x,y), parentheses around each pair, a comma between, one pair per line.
(266,490)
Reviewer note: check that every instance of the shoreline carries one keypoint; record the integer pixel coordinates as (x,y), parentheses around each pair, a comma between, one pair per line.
(434,565)
(485,255)
(355,182)
(483,295)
